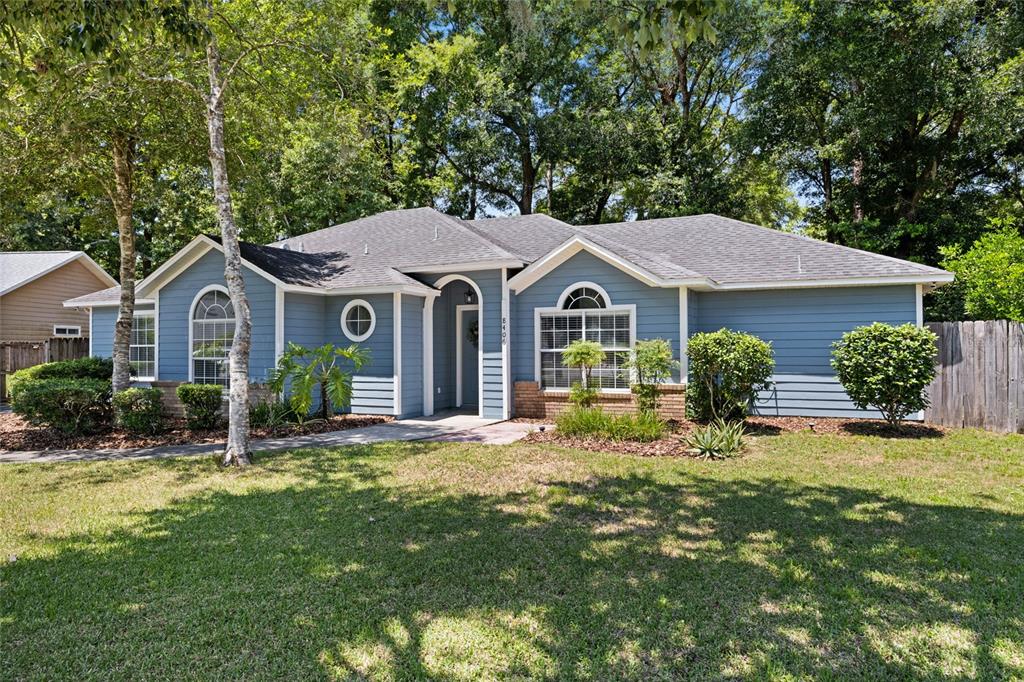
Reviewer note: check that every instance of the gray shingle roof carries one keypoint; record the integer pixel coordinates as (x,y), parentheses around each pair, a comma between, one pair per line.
(113,294)
(20,267)
(731,251)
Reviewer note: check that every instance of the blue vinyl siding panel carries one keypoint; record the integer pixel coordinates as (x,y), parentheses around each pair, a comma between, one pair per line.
(657,309)
(102,331)
(373,388)
(489,282)
(412,356)
(802,324)
(304,319)
(175,307)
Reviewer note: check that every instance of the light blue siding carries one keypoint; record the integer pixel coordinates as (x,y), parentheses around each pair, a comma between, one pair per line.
(102,332)
(657,309)
(373,388)
(175,307)
(489,282)
(412,356)
(802,324)
(304,319)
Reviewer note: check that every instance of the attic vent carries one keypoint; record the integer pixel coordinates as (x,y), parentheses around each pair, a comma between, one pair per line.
(799,265)
(286,247)
(366,249)
(435,233)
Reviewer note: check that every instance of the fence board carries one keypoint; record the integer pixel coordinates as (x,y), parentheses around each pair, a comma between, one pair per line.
(15,355)
(979,377)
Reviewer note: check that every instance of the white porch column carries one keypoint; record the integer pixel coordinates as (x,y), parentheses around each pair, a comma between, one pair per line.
(684,333)
(398,353)
(428,356)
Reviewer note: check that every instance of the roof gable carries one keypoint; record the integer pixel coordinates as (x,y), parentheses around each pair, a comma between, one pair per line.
(18,268)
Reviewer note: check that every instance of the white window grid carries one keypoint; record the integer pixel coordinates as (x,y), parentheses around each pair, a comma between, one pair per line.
(142,351)
(67,330)
(213,331)
(612,328)
(358,320)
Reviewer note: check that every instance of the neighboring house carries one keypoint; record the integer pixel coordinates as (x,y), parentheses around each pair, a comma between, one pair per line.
(33,288)
(475,313)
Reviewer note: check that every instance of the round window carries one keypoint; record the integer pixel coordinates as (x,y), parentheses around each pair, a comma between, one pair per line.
(358,320)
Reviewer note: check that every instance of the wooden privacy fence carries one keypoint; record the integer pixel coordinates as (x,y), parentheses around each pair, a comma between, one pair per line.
(979,380)
(15,355)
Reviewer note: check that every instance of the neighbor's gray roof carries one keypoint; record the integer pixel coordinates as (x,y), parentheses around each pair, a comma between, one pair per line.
(20,267)
(101,296)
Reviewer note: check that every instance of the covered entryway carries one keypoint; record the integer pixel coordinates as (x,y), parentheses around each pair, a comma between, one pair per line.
(457,371)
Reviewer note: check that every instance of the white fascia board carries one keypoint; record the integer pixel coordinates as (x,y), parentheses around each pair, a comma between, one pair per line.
(189,253)
(95,268)
(106,304)
(933,279)
(466,267)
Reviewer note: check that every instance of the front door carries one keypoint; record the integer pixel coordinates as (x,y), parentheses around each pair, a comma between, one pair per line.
(467,350)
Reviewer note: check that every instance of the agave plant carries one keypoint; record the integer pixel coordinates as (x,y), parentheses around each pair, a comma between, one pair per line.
(304,369)
(717,440)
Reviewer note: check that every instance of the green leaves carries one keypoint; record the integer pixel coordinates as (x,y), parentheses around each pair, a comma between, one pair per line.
(991,273)
(886,367)
(727,369)
(651,363)
(301,370)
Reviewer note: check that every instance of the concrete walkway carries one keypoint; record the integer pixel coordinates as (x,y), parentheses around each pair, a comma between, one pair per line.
(443,427)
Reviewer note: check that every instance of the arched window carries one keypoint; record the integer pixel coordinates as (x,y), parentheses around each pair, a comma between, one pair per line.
(213,330)
(584,298)
(358,320)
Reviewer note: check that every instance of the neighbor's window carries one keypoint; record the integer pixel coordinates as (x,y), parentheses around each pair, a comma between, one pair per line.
(213,330)
(358,320)
(585,315)
(66,330)
(142,351)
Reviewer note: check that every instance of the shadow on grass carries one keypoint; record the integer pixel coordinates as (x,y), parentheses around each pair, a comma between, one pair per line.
(884,430)
(341,575)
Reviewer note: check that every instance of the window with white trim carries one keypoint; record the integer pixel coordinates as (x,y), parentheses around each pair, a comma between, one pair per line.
(66,330)
(585,315)
(358,320)
(213,331)
(142,351)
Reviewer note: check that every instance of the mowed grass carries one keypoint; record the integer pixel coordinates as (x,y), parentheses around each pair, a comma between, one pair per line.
(810,557)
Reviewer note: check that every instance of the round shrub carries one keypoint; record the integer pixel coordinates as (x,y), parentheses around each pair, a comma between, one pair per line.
(727,369)
(72,406)
(886,367)
(202,404)
(82,368)
(139,410)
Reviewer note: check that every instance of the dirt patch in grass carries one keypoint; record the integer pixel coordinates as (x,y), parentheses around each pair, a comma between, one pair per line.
(17,434)
(672,443)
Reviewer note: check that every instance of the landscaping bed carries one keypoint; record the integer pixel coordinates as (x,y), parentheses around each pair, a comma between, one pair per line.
(16,434)
(671,443)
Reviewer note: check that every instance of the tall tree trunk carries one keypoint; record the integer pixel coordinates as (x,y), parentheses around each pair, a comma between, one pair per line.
(123,150)
(529,175)
(237,450)
(858,182)
(550,177)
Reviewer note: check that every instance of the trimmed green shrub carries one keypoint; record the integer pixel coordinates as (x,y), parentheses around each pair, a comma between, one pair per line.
(202,403)
(585,355)
(82,368)
(727,369)
(651,363)
(139,410)
(72,406)
(886,367)
(717,440)
(583,422)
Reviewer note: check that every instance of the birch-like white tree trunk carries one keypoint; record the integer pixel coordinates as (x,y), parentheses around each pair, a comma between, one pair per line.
(123,151)
(237,450)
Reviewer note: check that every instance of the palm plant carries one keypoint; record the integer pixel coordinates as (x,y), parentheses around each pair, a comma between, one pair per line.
(329,367)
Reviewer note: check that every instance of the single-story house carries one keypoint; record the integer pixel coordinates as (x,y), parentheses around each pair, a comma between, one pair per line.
(33,288)
(474,314)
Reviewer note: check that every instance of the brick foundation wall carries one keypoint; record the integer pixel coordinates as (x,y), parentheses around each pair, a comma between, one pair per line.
(174,408)
(531,402)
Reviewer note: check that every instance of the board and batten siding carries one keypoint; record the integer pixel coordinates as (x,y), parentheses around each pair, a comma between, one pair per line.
(657,309)
(373,388)
(801,325)
(29,312)
(491,393)
(176,306)
(103,321)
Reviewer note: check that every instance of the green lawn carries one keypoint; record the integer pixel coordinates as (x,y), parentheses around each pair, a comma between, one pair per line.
(812,556)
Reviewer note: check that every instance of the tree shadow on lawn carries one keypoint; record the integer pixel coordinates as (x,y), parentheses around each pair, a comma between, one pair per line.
(344,575)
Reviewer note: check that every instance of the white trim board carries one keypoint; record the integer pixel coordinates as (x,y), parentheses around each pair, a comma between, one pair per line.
(397,345)
(506,353)
(537,312)
(445,281)
(428,356)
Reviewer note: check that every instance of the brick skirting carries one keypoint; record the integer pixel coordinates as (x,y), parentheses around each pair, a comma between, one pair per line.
(174,408)
(533,403)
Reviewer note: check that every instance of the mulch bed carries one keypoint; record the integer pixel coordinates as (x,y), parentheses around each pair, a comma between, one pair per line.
(671,445)
(16,434)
